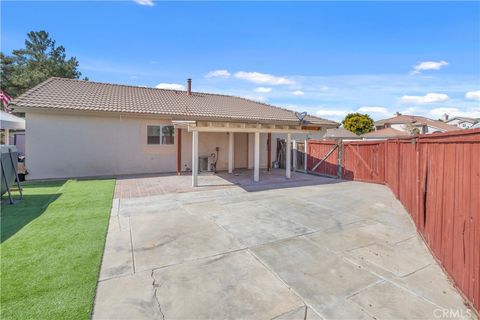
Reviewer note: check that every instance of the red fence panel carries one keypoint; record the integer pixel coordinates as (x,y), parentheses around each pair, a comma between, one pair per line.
(317,150)
(364,161)
(437,179)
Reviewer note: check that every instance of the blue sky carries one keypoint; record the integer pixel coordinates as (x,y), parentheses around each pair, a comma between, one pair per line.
(326,58)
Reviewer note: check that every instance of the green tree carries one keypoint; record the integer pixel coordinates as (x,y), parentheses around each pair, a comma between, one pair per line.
(358,123)
(39,60)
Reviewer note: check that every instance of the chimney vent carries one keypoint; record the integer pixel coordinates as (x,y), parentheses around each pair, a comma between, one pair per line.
(189,87)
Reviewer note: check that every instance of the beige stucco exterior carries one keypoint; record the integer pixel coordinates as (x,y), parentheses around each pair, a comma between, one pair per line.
(79,144)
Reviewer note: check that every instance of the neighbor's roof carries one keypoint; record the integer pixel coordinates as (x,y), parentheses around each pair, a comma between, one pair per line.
(60,93)
(340,133)
(416,120)
(464,119)
(385,133)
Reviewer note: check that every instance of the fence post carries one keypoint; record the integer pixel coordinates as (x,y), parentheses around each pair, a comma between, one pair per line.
(306,156)
(339,159)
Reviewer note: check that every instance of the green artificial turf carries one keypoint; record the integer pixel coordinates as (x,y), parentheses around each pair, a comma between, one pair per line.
(52,244)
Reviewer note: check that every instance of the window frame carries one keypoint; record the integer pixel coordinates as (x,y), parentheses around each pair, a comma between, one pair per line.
(161,136)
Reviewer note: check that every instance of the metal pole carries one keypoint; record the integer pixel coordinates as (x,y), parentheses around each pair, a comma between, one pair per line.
(6,183)
(16,174)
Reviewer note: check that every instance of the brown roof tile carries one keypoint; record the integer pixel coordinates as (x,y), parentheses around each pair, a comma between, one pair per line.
(385,133)
(60,93)
(416,120)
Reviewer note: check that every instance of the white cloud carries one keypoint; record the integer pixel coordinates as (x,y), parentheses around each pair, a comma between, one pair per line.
(256,98)
(145,2)
(454,112)
(171,86)
(414,110)
(218,74)
(473,95)
(333,113)
(380,110)
(428,65)
(428,98)
(298,93)
(263,90)
(263,78)
(324,88)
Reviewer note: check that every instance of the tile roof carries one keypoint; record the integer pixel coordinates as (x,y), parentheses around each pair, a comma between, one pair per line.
(336,133)
(416,120)
(385,133)
(70,94)
(464,119)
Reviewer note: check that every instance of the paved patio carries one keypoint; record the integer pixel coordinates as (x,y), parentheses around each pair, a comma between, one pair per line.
(309,248)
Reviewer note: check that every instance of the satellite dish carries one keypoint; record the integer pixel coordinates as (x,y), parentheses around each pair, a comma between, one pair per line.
(301,116)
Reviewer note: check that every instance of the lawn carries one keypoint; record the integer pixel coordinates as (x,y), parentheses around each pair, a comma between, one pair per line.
(51,250)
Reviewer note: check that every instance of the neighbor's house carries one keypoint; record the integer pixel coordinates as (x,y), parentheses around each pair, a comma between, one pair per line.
(80,128)
(340,134)
(414,124)
(462,122)
(385,133)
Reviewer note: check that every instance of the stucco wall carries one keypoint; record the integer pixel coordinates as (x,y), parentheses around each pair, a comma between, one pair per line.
(78,145)
(73,144)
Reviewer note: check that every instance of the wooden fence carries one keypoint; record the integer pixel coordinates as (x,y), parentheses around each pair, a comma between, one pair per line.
(437,179)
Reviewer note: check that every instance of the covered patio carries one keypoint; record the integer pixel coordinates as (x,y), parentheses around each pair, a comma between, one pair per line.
(261,157)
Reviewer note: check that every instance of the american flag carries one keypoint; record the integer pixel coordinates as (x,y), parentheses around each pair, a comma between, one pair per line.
(6,99)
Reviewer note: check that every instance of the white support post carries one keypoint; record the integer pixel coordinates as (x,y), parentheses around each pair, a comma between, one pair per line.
(256,154)
(294,145)
(305,154)
(6,136)
(194,158)
(230,152)
(288,157)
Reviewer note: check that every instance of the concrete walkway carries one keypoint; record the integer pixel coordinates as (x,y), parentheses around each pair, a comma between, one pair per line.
(330,250)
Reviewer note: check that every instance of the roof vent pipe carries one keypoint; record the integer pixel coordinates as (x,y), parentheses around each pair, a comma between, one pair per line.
(189,87)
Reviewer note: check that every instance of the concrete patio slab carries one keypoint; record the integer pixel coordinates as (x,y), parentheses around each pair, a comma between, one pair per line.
(387,301)
(232,249)
(117,258)
(252,224)
(317,275)
(176,236)
(432,284)
(301,313)
(400,260)
(230,286)
(130,297)
(357,234)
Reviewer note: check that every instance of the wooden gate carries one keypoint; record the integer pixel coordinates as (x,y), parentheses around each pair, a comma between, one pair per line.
(323,158)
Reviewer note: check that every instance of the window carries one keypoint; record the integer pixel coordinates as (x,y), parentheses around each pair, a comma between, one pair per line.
(160,135)
(168,135)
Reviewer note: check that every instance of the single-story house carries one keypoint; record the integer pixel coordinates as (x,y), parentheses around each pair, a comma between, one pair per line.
(414,124)
(340,134)
(385,133)
(77,128)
